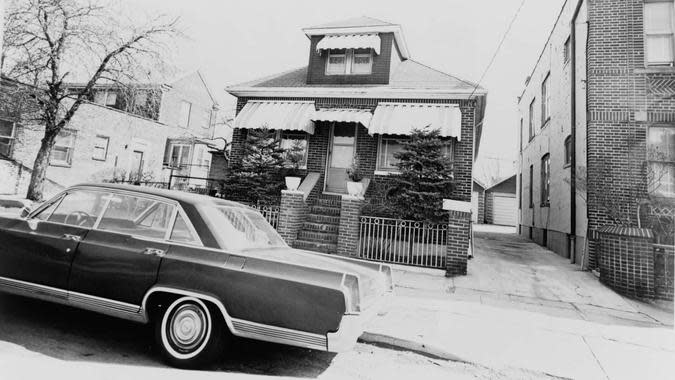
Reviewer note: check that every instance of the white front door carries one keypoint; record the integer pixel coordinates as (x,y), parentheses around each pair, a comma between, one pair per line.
(341,150)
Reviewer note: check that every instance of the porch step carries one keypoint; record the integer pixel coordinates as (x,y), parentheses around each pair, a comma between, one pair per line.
(324,210)
(320,227)
(329,201)
(315,246)
(323,219)
(318,237)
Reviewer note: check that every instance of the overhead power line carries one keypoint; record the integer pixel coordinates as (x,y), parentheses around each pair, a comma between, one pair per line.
(499,47)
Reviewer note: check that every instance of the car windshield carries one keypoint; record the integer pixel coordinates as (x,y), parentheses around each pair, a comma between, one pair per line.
(240,229)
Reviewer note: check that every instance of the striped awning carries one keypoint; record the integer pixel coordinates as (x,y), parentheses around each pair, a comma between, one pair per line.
(350,41)
(402,118)
(343,115)
(283,115)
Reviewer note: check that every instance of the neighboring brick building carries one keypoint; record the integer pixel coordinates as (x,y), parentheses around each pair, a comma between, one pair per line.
(597,126)
(360,94)
(108,138)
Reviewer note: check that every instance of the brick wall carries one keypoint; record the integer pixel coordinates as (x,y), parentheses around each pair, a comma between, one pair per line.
(348,235)
(626,260)
(459,234)
(489,203)
(316,70)
(481,207)
(292,213)
(664,271)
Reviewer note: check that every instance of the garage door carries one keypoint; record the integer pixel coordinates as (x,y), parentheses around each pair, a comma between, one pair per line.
(474,206)
(504,210)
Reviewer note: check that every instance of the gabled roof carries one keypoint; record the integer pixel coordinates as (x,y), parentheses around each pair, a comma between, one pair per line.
(353,22)
(499,182)
(409,76)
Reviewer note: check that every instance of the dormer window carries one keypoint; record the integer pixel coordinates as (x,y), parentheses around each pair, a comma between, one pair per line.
(349,62)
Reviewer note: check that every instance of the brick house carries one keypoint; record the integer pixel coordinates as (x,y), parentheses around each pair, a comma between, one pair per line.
(359,95)
(597,131)
(131,134)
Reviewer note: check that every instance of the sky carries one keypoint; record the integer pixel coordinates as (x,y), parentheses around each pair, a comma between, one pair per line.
(232,42)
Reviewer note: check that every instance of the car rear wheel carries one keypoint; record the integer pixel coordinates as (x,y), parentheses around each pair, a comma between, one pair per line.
(188,334)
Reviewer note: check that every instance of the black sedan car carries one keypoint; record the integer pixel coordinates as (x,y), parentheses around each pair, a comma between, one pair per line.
(198,268)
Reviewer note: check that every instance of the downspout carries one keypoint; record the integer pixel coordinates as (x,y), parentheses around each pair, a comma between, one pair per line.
(573,134)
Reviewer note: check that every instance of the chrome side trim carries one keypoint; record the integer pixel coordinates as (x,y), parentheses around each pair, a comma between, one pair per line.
(248,329)
(83,301)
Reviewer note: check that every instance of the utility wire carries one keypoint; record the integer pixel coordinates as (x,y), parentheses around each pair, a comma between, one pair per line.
(499,47)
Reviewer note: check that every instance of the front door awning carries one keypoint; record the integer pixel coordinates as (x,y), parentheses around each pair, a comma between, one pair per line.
(282,115)
(350,41)
(343,115)
(402,118)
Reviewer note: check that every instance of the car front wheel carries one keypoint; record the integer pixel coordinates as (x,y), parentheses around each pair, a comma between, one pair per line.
(188,334)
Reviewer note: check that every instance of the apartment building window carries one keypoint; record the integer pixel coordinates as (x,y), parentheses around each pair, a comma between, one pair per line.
(567,50)
(531,120)
(545,100)
(531,191)
(298,141)
(62,152)
(177,154)
(349,61)
(658,20)
(568,151)
(6,137)
(545,180)
(661,156)
(184,117)
(100,148)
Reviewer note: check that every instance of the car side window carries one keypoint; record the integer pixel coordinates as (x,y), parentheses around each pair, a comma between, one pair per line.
(137,216)
(79,208)
(181,232)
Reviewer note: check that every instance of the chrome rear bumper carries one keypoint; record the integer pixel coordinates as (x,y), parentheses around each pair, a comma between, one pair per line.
(352,326)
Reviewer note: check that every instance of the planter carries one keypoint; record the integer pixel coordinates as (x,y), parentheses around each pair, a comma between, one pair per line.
(292,183)
(354,188)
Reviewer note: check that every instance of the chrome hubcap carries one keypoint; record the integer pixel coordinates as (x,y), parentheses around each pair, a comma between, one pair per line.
(187,327)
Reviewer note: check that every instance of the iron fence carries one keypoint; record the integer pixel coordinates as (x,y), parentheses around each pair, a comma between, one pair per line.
(661,220)
(401,241)
(270,212)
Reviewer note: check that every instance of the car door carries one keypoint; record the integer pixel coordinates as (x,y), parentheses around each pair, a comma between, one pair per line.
(119,259)
(39,249)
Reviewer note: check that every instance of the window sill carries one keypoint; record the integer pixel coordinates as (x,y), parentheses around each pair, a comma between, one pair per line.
(387,172)
(348,75)
(655,70)
(567,166)
(98,159)
(60,164)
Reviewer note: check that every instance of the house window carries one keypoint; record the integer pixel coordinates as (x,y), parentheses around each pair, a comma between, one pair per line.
(531,121)
(545,180)
(177,154)
(297,141)
(545,100)
(100,148)
(661,156)
(568,151)
(567,50)
(389,145)
(531,191)
(184,117)
(6,137)
(349,61)
(106,98)
(62,152)
(658,19)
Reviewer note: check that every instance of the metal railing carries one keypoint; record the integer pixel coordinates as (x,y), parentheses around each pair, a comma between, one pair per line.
(401,241)
(271,213)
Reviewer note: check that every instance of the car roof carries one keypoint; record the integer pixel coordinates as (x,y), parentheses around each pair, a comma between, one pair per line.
(179,196)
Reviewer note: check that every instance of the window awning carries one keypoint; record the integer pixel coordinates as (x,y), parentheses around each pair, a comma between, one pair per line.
(343,115)
(402,118)
(350,41)
(283,115)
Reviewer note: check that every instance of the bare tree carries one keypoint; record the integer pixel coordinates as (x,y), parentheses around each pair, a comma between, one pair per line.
(50,42)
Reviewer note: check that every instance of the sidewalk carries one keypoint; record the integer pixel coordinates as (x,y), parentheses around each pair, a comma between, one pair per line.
(507,338)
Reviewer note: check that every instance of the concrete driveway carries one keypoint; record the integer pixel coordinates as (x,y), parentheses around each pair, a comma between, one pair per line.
(512,272)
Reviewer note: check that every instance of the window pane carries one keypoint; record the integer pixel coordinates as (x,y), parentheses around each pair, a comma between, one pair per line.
(661,143)
(297,142)
(111,99)
(181,232)
(658,17)
(185,156)
(6,128)
(99,97)
(136,216)
(361,64)
(386,154)
(79,208)
(342,156)
(60,154)
(660,49)
(100,147)
(337,64)
(662,179)
(5,146)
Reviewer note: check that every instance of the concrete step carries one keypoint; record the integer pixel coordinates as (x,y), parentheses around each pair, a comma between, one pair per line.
(324,210)
(320,227)
(316,247)
(318,237)
(323,219)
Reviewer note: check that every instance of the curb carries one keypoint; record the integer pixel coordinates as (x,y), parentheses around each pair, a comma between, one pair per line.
(409,345)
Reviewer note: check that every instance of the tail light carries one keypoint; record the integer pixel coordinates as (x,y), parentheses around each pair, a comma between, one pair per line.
(350,288)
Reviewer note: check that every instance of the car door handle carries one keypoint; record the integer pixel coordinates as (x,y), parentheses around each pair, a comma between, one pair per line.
(71,237)
(154,252)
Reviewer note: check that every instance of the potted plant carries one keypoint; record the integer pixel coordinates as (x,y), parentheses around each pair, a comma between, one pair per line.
(294,157)
(354,185)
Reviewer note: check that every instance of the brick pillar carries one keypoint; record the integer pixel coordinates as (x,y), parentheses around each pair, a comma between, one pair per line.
(626,260)
(348,235)
(292,213)
(459,233)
